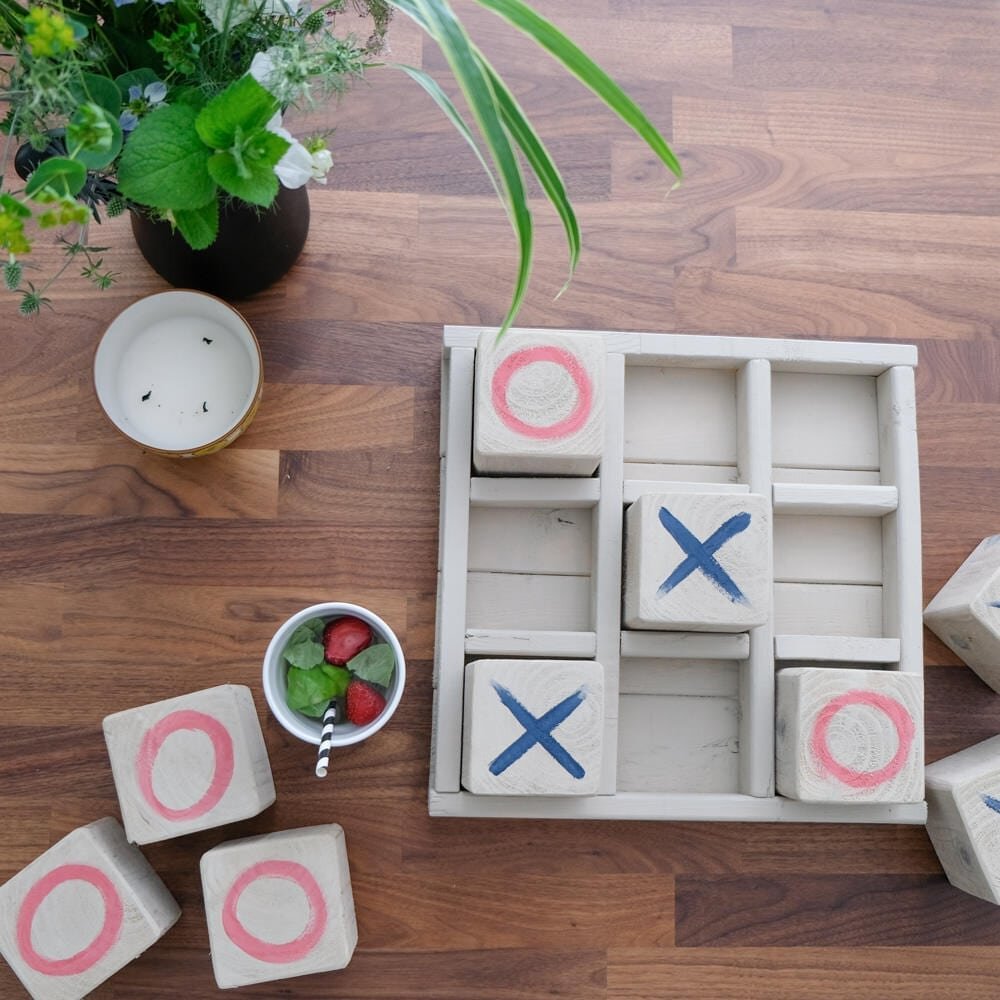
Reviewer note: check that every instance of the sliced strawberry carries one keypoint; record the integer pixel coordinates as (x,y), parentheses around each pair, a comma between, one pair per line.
(344,638)
(364,703)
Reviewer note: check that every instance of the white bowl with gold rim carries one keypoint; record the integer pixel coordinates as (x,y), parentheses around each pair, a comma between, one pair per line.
(179,373)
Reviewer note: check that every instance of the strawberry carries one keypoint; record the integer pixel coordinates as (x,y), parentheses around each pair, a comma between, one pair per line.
(344,638)
(364,703)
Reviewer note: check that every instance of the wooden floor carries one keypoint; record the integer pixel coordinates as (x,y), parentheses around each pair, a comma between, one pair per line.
(842,166)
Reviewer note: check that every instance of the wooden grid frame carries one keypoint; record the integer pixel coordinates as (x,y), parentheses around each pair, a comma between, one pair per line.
(763,374)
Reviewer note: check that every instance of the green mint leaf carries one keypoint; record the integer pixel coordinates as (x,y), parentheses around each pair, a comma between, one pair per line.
(164,164)
(374,664)
(253,181)
(311,629)
(308,689)
(341,677)
(316,711)
(305,654)
(63,175)
(243,106)
(199,226)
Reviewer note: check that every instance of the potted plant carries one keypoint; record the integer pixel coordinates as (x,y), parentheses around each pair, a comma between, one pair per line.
(172,109)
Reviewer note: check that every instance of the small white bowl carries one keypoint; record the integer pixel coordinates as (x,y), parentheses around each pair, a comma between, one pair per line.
(179,373)
(275,671)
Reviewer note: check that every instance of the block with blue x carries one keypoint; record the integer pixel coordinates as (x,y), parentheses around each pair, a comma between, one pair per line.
(698,562)
(533,727)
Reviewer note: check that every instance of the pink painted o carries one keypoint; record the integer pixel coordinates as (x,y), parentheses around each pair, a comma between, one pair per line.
(106,936)
(266,951)
(897,715)
(517,360)
(222,774)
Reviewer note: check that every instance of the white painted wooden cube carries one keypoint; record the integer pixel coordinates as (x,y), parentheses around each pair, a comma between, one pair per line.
(279,905)
(539,404)
(533,727)
(83,910)
(698,562)
(845,735)
(965,613)
(963,817)
(189,763)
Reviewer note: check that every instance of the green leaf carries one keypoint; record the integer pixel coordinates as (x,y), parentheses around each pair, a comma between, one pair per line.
(99,90)
(550,38)
(134,78)
(439,21)
(199,226)
(63,175)
(341,677)
(304,654)
(164,164)
(258,185)
(309,691)
(243,106)
(311,629)
(374,664)
(80,131)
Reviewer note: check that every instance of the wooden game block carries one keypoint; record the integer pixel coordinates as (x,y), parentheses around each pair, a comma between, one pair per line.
(963,817)
(189,763)
(539,404)
(698,562)
(279,905)
(849,735)
(965,613)
(533,727)
(80,912)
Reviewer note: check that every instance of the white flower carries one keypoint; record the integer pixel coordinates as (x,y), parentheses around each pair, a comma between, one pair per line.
(322,161)
(262,68)
(295,168)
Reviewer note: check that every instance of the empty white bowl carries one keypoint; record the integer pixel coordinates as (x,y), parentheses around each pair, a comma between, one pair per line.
(275,677)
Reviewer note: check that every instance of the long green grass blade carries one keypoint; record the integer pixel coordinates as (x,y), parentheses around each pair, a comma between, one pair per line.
(444,102)
(550,38)
(540,162)
(438,19)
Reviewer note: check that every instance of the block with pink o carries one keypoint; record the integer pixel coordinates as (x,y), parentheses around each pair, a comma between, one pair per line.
(189,763)
(279,905)
(539,404)
(81,912)
(849,735)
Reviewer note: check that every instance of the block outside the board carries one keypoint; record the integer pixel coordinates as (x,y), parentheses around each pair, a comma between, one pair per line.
(279,905)
(965,613)
(963,817)
(81,912)
(533,727)
(698,562)
(189,763)
(539,404)
(849,736)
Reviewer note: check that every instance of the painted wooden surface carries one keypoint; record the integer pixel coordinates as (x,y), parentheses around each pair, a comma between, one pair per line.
(279,906)
(793,119)
(80,912)
(189,763)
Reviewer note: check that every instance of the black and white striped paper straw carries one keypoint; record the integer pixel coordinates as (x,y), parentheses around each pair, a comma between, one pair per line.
(326,740)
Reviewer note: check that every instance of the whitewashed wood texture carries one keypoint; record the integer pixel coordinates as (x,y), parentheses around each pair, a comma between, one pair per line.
(848,735)
(539,404)
(963,817)
(736,598)
(509,748)
(81,911)
(699,414)
(189,763)
(279,905)
(965,612)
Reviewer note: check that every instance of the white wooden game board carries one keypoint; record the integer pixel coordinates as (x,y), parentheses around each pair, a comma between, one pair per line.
(532,566)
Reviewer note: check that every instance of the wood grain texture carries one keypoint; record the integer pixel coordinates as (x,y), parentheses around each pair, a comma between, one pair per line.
(842,180)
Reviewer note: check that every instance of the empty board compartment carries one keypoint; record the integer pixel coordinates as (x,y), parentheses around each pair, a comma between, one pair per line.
(532,567)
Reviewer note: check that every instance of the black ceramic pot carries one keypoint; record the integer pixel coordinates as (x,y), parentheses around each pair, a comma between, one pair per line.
(254,248)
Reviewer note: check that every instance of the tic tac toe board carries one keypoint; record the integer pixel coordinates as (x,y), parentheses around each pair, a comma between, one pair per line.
(532,567)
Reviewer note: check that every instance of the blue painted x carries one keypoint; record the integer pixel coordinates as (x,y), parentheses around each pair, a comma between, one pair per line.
(701,555)
(538,730)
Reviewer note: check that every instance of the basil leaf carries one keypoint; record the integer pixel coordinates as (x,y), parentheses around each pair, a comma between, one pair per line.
(308,689)
(304,654)
(374,664)
(341,677)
